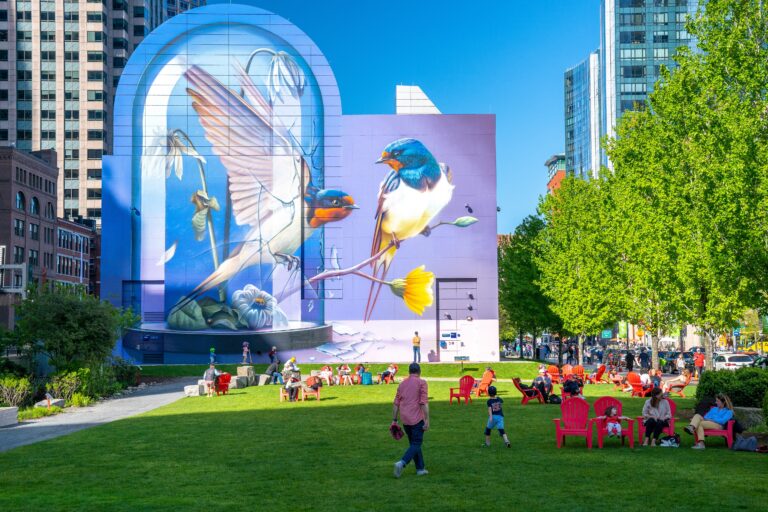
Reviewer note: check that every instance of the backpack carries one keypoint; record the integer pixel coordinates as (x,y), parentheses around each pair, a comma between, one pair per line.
(554,399)
(745,444)
(670,441)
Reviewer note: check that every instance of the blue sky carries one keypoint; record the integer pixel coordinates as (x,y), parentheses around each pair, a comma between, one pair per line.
(505,57)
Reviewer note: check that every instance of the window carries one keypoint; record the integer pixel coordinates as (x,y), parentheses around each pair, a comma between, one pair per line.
(660,18)
(661,53)
(71,193)
(95,134)
(4,114)
(23,15)
(23,55)
(24,115)
(71,35)
(48,95)
(97,115)
(97,57)
(34,206)
(34,231)
(119,24)
(119,43)
(683,35)
(94,193)
(4,55)
(34,258)
(681,17)
(71,16)
(3,94)
(18,254)
(95,76)
(94,213)
(18,227)
(50,213)
(632,3)
(48,55)
(71,74)
(138,30)
(48,115)
(95,37)
(72,56)
(632,53)
(138,11)
(94,174)
(71,135)
(47,16)
(3,75)
(95,17)
(71,114)
(632,37)
(23,135)
(96,95)
(23,35)
(71,174)
(94,154)
(633,88)
(661,37)
(632,71)
(72,95)
(118,62)
(49,75)
(21,202)
(632,19)
(631,105)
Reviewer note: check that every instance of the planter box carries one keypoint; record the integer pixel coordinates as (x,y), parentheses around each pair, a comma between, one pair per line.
(9,416)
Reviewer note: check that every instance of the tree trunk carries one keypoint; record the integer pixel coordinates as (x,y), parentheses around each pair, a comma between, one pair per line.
(522,349)
(581,350)
(533,344)
(709,351)
(559,352)
(655,349)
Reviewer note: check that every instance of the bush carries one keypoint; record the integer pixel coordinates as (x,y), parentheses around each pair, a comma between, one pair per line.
(65,384)
(765,407)
(37,412)
(14,391)
(100,380)
(126,373)
(746,387)
(80,400)
(8,366)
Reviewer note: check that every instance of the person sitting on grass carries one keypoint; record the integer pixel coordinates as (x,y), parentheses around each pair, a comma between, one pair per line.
(543,382)
(616,378)
(717,417)
(495,417)
(210,376)
(656,416)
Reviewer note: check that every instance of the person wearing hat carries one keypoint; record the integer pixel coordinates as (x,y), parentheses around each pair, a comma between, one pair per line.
(411,402)
(543,383)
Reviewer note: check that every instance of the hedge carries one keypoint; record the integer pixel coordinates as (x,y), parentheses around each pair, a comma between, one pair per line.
(746,387)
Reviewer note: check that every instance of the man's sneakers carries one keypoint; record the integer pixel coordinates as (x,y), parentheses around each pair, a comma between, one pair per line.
(689,429)
(399,468)
(509,445)
(699,446)
(422,472)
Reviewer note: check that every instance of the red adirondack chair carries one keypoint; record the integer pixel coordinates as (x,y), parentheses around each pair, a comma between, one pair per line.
(727,433)
(678,388)
(597,377)
(528,394)
(222,384)
(554,374)
(574,422)
(637,386)
(566,371)
(670,430)
(602,430)
(578,372)
(463,391)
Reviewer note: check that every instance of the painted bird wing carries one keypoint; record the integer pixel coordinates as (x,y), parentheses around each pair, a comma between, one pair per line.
(380,241)
(264,169)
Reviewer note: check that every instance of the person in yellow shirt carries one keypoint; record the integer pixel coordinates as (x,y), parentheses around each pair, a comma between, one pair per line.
(416,347)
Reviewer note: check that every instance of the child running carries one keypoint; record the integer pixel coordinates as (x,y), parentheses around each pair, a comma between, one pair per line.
(495,417)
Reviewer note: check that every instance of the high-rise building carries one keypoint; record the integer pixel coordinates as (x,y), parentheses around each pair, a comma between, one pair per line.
(60,62)
(637,38)
(582,118)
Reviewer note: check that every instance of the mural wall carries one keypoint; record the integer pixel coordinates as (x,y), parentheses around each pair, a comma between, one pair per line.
(255,209)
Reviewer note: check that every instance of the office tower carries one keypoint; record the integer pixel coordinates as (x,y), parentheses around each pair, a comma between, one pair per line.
(60,62)
(637,38)
(582,118)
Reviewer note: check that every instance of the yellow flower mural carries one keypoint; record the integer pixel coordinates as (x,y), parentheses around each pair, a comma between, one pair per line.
(415,289)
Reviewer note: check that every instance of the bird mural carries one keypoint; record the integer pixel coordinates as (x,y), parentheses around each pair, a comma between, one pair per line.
(414,191)
(269,177)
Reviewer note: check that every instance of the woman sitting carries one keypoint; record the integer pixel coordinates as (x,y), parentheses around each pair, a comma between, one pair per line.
(326,374)
(717,417)
(616,378)
(388,373)
(344,374)
(292,384)
(680,379)
(656,416)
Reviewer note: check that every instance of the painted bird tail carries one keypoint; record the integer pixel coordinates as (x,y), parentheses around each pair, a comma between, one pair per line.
(380,269)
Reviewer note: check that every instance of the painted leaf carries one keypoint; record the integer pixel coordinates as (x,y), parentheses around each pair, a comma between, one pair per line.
(223,320)
(199,222)
(463,222)
(188,318)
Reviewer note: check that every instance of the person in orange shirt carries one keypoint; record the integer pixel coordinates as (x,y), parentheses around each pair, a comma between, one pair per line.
(416,347)
(698,362)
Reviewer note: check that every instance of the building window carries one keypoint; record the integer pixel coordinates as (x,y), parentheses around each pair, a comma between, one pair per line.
(18,254)
(632,37)
(632,71)
(94,213)
(47,16)
(49,76)
(96,95)
(95,76)
(50,213)
(95,134)
(632,3)
(48,55)
(661,37)
(95,17)
(18,227)
(21,201)
(23,55)
(661,53)
(34,258)
(632,53)
(95,154)
(97,57)
(633,19)
(71,135)
(660,18)
(71,36)
(97,115)
(34,231)
(95,37)
(72,56)
(71,193)
(94,174)
(24,115)
(94,193)
(71,114)
(34,206)
(138,30)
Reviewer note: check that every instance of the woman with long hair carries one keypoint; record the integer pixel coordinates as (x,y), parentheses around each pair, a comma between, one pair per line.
(717,417)
(656,416)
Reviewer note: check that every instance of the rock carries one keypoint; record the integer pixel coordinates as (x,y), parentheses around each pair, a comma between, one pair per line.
(262,379)
(195,390)
(238,382)
(9,416)
(142,385)
(248,373)
(201,382)
(56,402)
(749,416)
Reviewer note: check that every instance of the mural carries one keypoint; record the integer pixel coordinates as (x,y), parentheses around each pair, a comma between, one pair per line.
(256,208)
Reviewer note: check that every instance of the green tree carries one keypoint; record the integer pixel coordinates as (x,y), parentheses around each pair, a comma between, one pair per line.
(74,329)
(520,296)
(577,260)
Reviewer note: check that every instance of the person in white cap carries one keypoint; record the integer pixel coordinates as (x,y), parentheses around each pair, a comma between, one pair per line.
(543,383)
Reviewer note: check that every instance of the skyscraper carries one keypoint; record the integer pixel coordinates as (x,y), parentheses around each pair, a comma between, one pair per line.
(582,118)
(637,37)
(60,62)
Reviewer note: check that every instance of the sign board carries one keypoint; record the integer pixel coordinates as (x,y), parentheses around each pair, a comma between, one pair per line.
(461,358)
(737,332)
(607,334)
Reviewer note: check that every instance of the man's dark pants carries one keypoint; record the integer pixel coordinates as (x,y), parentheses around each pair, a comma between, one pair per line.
(415,435)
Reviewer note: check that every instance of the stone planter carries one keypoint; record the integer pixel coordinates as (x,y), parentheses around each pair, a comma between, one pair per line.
(749,416)
(9,416)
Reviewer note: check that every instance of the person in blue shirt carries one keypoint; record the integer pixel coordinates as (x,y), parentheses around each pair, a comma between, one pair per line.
(716,418)
(495,417)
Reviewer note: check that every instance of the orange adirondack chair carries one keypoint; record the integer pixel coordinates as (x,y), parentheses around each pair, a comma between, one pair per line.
(578,371)
(307,391)
(597,377)
(574,422)
(670,430)
(222,384)
(554,373)
(565,372)
(602,430)
(390,379)
(678,388)
(466,383)
(637,386)
(528,394)
(487,379)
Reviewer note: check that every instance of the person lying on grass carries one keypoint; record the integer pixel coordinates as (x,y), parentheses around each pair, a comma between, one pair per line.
(495,417)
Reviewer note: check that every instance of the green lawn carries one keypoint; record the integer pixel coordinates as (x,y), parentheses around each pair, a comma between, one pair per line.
(524,370)
(247,451)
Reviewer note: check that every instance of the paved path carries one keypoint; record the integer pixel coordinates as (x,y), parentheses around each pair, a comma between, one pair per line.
(79,418)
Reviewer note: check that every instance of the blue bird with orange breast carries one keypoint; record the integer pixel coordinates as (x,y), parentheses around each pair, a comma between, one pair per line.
(414,191)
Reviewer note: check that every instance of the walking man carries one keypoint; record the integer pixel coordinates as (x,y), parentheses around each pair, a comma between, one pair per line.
(416,347)
(411,403)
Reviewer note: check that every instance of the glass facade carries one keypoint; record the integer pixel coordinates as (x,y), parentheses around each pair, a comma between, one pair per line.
(582,118)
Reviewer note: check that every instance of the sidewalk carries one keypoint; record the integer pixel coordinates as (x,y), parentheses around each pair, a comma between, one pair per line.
(79,418)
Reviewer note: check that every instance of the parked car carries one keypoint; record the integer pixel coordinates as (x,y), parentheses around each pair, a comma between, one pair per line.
(760,362)
(732,361)
(671,362)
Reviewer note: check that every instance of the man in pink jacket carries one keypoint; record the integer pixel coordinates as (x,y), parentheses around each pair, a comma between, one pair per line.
(411,403)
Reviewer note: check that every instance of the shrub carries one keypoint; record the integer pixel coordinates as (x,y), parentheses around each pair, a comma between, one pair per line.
(65,384)
(8,366)
(765,407)
(100,381)
(37,412)
(15,391)
(126,373)
(80,400)
(746,387)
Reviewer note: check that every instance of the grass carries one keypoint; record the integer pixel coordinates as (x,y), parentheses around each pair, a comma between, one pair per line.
(524,370)
(247,450)
(33,413)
